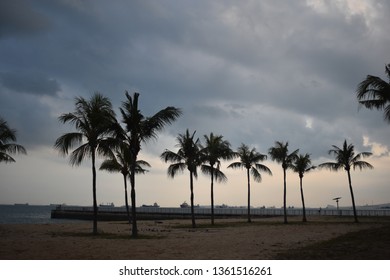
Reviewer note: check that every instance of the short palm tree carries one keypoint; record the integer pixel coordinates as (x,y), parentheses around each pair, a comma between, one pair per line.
(345,159)
(188,156)
(279,153)
(249,159)
(302,165)
(214,150)
(94,121)
(140,129)
(7,136)
(119,162)
(373,92)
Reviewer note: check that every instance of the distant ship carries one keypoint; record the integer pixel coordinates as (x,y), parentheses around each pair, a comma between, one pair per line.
(21,204)
(184,205)
(154,205)
(107,205)
(222,206)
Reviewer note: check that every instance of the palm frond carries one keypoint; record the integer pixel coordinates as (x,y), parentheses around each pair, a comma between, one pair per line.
(6,158)
(157,122)
(175,168)
(13,149)
(236,165)
(219,176)
(139,166)
(279,151)
(79,154)
(143,163)
(302,164)
(111,165)
(374,93)
(255,174)
(169,156)
(68,141)
(372,87)
(263,168)
(362,165)
(6,133)
(106,146)
(332,166)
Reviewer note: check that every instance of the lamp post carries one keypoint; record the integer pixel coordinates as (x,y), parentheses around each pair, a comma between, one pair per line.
(337,203)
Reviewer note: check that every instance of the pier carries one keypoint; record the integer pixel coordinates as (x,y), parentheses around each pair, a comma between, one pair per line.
(165,213)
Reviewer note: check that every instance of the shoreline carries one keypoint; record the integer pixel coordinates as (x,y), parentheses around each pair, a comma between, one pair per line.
(264,238)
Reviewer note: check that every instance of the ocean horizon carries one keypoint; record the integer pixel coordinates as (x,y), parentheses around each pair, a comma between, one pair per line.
(28,214)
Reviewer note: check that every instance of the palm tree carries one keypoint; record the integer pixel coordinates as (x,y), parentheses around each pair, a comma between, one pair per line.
(301,165)
(279,153)
(8,135)
(188,156)
(249,159)
(346,158)
(215,149)
(373,92)
(140,129)
(119,162)
(94,121)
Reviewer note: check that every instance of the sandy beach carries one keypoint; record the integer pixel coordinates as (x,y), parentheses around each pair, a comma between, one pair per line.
(264,238)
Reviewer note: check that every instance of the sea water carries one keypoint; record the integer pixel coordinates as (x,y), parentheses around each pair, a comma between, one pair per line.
(28,214)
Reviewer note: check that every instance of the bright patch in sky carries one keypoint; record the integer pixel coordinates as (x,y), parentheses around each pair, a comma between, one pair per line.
(377,149)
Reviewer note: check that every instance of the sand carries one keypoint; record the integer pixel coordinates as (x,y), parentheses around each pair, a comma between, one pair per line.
(230,239)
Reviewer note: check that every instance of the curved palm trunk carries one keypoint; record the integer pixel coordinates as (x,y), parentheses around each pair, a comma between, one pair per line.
(95,208)
(192,199)
(249,196)
(284,196)
(212,195)
(126,199)
(352,197)
(303,201)
(134,229)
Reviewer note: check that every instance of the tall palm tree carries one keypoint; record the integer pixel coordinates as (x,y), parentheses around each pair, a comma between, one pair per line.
(249,159)
(188,156)
(140,129)
(345,159)
(279,153)
(302,165)
(7,136)
(373,92)
(119,162)
(214,150)
(94,121)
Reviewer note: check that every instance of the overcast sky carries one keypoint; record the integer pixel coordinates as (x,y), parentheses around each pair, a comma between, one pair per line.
(255,72)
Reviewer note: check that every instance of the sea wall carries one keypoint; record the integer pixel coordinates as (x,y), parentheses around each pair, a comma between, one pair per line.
(163,213)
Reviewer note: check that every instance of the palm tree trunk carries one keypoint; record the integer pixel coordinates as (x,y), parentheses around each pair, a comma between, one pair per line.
(192,200)
(134,230)
(212,195)
(303,201)
(126,199)
(352,196)
(249,197)
(95,208)
(284,196)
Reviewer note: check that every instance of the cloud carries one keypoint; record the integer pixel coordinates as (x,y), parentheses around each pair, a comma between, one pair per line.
(254,71)
(377,149)
(31,83)
(18,17)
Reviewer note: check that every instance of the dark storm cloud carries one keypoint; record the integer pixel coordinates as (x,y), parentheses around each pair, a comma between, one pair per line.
(255,71)
(31,83)
(18,17)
